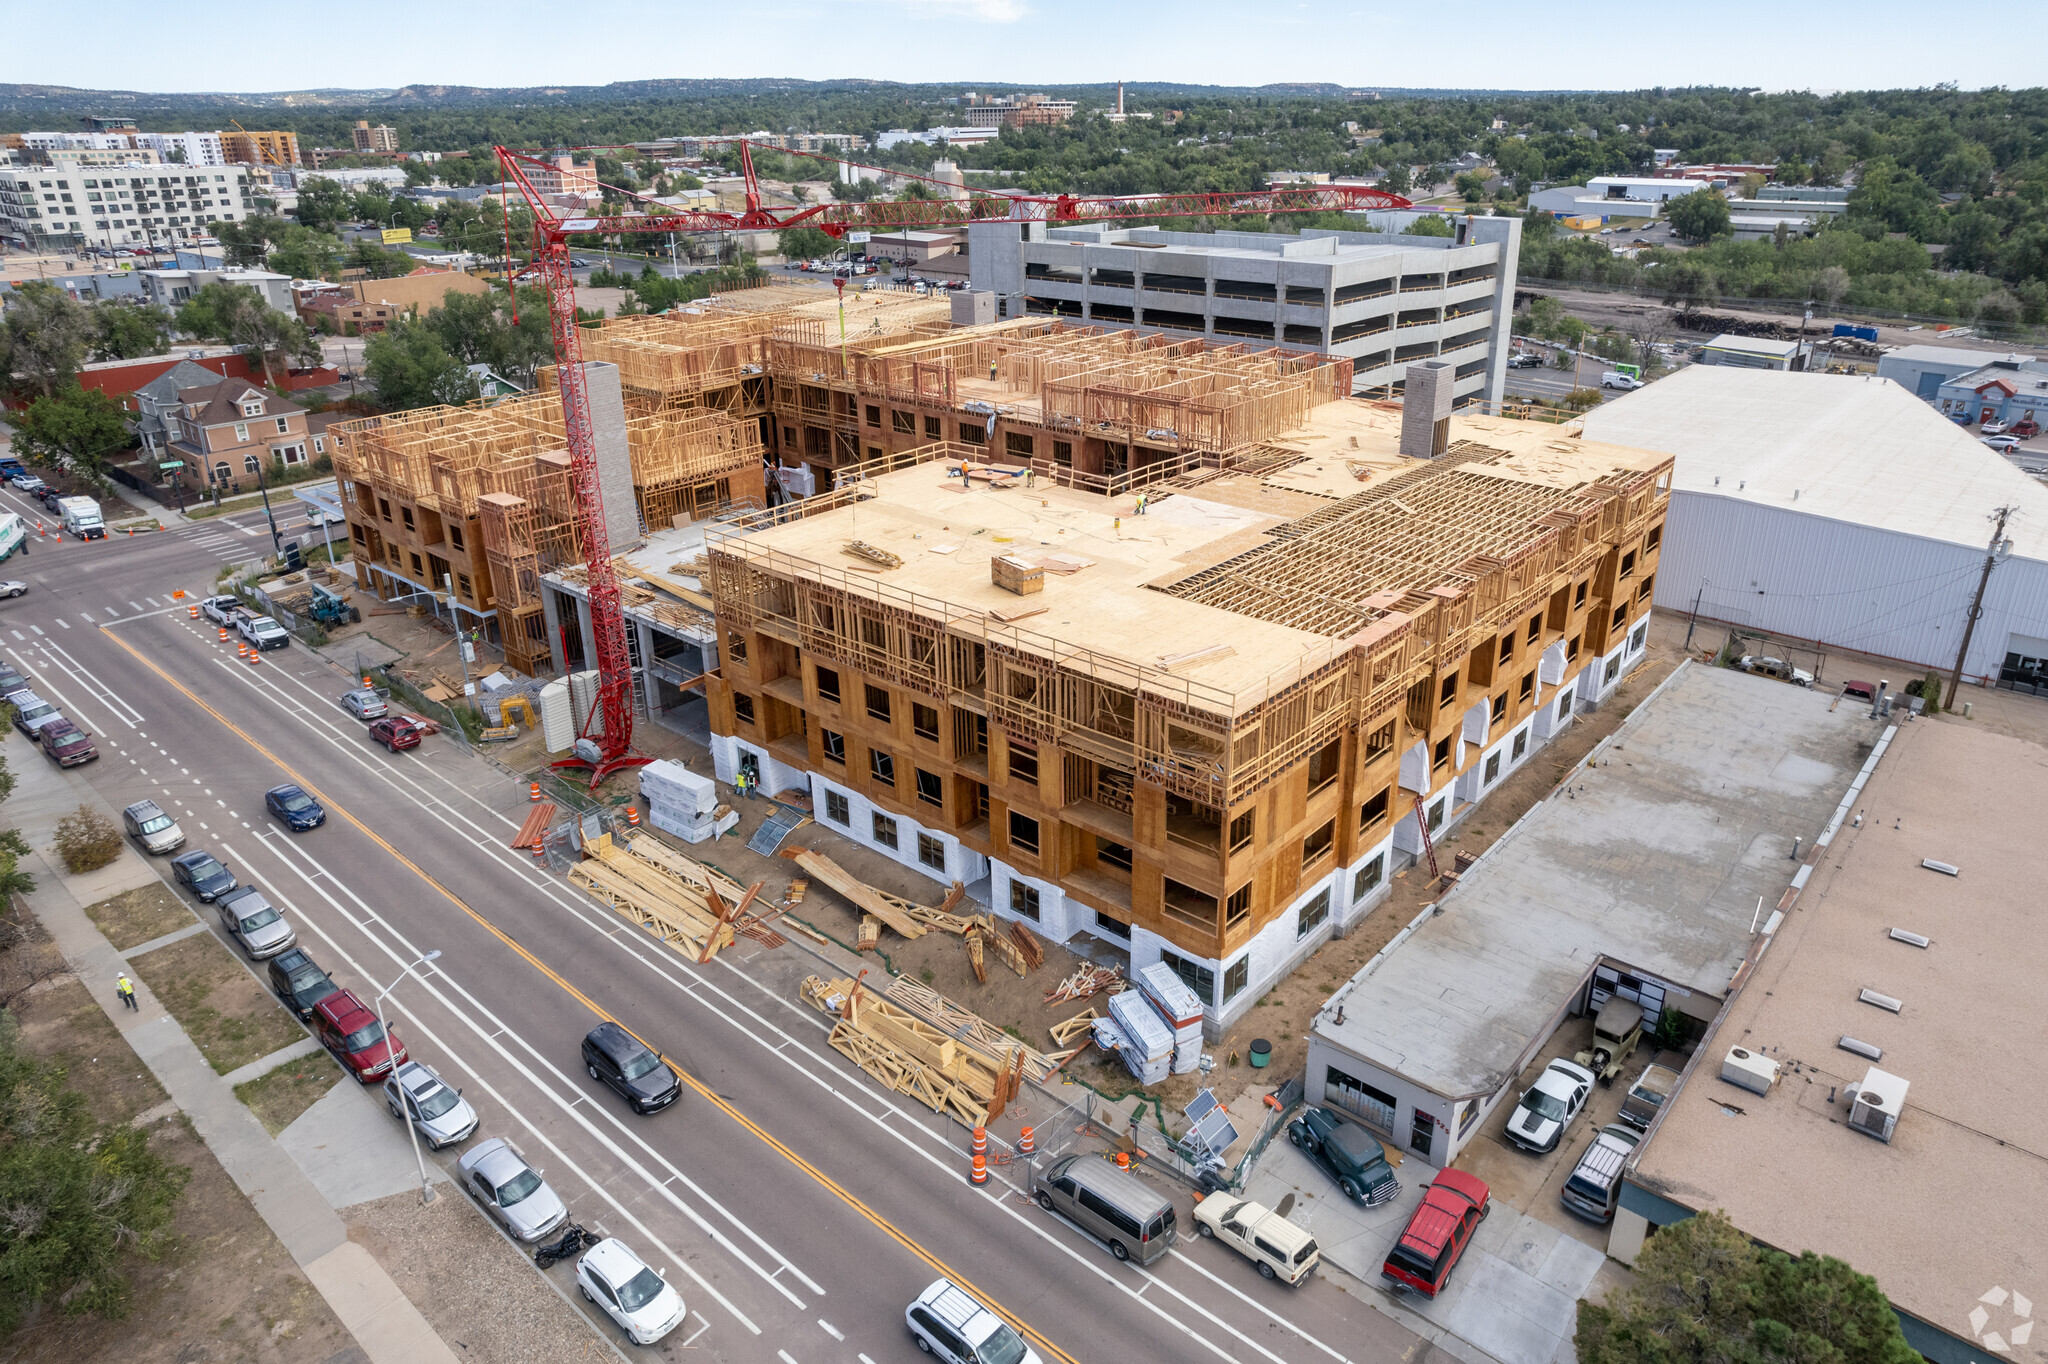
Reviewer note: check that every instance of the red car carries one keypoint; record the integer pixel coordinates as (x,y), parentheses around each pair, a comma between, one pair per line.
(346,1027)
(396,732)
(1452,1209)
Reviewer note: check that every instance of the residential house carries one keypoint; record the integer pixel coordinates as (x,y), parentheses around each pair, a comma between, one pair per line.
(235,428)
(345,314)
(164,395)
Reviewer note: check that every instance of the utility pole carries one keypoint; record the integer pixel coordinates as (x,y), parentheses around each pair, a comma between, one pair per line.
(1993,556)
(1694,618)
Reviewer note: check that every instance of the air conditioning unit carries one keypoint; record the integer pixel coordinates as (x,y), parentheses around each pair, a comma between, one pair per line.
(1875,1105)
(1753,1072)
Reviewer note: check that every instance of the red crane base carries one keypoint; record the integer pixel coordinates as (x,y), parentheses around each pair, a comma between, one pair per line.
(604,766)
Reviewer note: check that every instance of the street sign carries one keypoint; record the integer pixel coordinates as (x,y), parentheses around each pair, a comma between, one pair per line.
(171,464)
(860,238)
(397,236)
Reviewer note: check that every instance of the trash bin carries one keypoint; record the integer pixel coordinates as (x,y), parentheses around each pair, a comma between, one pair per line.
(1261,1053)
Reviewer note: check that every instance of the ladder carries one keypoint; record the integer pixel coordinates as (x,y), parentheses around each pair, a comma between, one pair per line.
(1428,843)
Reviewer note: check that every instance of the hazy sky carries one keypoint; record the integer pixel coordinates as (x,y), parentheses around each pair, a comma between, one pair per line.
(1476,44)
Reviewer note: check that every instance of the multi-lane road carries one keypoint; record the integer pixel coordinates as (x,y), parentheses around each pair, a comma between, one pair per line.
(797,1205)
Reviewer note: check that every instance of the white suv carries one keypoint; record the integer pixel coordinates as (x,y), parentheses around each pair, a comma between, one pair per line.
(945,1322)
(639,1300)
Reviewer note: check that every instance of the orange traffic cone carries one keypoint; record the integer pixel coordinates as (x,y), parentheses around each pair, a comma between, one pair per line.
(633,816)
(533,790)
(223,634)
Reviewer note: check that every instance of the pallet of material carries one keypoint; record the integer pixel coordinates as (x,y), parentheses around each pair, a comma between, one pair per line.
(970,1029)
(892,910)
(1080,1025)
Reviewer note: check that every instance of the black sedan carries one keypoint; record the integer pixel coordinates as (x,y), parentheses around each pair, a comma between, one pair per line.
(622,1061)
(298,810)
(203,872)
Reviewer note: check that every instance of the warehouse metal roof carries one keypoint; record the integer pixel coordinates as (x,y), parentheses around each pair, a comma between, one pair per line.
(1852,448)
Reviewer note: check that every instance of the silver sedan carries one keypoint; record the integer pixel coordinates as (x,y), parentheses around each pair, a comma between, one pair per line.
(364,704)
(441,1114)
(511,1190)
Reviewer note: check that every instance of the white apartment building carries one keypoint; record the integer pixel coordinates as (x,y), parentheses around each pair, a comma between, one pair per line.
(69,204)
(187,149)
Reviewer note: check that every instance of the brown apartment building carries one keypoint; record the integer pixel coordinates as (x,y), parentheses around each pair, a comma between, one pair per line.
(225,432)
(1204,732)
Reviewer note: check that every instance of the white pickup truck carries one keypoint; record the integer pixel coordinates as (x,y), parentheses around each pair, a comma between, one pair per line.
(1281,1249)
(262,631)
(226,609)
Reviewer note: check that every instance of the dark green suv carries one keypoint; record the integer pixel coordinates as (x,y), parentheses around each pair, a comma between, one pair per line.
(298,982)
(1352,1155)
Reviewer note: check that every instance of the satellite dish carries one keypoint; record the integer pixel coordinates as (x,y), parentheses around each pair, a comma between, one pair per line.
(1286,1205)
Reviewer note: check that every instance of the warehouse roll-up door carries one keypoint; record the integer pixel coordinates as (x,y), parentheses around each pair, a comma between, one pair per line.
(1644,990)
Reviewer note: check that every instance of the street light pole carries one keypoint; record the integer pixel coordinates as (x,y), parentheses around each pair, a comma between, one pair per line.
(405,1099)
(276,536)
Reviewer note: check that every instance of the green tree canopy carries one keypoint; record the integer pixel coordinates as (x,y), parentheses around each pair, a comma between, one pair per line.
(1701,215)
(1429,225)
(75,429)
(236,314)
(804,243)
(477,329)
(1704,1293)
(324,204)
(410,368)
(48,333)
(80,1195)
(127,330)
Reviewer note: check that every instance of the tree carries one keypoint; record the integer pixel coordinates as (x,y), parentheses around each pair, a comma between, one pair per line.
(48,332)
(1688,283)
(324,203)
(1429,225)
(77,1196)
(1700,216)
(804,243)
(126,331)
(1471,186)
(1397,180)
(1705,1294)
(410,368)
(236,314)
(75,429)
(1831,285)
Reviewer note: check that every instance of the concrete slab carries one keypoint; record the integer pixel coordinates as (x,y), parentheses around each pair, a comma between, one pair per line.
(375,1312)
(352,1148)
(263,1065)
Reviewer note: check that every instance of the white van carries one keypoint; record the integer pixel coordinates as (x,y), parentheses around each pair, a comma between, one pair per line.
(82,517)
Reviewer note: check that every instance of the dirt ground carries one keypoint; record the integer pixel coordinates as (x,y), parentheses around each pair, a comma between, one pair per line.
(227,1290)
(137,916)
(230,1017)
(477,1291)
(277,1099)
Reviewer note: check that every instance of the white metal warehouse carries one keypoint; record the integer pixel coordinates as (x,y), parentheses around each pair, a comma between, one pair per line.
(1841,510)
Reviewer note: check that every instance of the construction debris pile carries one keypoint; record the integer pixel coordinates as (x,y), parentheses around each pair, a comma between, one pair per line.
(691,907)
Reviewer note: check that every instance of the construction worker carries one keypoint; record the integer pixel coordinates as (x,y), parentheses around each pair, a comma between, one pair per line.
(1141,504)
(127,993)
(991,371)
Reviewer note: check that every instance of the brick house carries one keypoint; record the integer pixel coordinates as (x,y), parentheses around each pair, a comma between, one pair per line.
(346,315)
(232,428)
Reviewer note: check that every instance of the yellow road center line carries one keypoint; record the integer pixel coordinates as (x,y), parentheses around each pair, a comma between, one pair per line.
(774,1143)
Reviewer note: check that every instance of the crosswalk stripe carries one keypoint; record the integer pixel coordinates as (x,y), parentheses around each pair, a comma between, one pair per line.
(61,622)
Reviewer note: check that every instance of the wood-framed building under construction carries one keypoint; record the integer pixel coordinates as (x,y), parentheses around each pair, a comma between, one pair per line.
(1207,733)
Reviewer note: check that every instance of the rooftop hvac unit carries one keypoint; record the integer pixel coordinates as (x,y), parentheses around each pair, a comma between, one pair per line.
(1875,1105)
(1751,1071)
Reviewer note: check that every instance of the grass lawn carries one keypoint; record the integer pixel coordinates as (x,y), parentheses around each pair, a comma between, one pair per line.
(281,1096)
(133,917)
(229,1017)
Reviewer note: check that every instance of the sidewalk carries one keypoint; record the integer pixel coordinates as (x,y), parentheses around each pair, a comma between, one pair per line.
(383,1321)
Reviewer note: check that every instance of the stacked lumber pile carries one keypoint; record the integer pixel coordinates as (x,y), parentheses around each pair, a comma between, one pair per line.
(911,1056)
(971,1030)
(641,881)
(878,909)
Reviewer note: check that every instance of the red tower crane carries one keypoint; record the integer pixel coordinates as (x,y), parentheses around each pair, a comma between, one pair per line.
(551,234)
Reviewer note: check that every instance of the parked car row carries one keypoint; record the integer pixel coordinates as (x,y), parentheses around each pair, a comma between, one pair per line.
(60,739)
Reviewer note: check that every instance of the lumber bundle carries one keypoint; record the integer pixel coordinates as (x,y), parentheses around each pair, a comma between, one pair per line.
(1027,943)
(689,916)
(911,1056)
(972,1030)
(1088,979)
(536,826)
(688,868)
(894,911)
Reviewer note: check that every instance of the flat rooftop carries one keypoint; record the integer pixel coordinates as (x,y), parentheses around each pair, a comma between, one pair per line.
(1852,448)
(1953,1205)
(1654,859)
(1102,591)
(1317,246)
